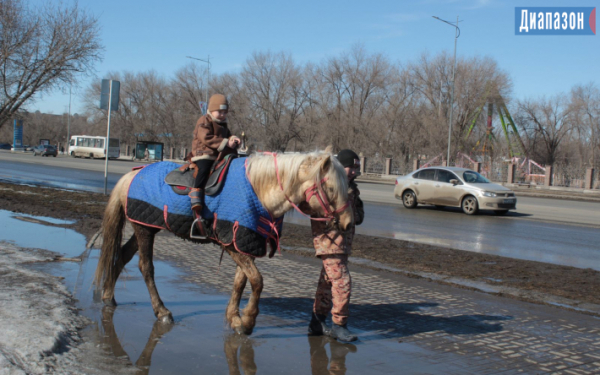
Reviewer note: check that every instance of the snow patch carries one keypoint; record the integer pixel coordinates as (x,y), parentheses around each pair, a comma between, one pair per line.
(37,314)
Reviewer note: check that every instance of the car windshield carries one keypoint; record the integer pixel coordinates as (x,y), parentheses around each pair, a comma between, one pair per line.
(474,178)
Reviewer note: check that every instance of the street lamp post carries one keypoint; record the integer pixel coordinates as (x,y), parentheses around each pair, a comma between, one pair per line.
(207,74)
(457,34)
(69,122)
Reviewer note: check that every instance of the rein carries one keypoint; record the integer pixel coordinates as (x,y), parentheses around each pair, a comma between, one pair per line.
(315,190)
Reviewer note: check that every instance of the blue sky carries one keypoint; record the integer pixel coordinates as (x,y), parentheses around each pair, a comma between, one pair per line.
(158,35)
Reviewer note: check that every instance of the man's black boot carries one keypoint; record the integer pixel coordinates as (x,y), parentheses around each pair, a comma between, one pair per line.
(341,333)
(317,326)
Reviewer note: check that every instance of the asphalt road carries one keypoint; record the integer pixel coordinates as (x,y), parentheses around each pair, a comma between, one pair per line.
(547,230)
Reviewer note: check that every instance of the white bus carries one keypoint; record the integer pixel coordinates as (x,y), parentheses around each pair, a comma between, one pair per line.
(89,146)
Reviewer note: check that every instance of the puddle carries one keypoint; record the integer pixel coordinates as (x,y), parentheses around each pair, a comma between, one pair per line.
(37,219)
(27,231)
(494,280)
(200,341)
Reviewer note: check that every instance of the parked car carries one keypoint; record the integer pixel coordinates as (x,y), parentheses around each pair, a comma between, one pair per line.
(5,146)
(454,187)
(45,150)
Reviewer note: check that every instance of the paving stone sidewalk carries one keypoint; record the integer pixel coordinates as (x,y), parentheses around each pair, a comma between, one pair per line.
(470,332)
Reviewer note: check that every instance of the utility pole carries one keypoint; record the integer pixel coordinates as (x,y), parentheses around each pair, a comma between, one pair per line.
(69,122)
(457,34)
(207,74)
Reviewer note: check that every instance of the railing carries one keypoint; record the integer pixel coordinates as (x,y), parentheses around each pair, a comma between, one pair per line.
(527,171)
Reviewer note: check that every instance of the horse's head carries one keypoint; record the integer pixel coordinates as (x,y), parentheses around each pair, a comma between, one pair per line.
(314,183)
(326,190)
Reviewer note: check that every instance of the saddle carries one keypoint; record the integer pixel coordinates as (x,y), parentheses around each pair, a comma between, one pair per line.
(182,179)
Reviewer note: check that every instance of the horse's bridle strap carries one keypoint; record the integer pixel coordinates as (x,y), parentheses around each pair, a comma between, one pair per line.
(316,190)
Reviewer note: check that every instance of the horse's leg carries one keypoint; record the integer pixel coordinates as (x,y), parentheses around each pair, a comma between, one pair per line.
(126,254)
(145,239)
(232,314)
(246,263)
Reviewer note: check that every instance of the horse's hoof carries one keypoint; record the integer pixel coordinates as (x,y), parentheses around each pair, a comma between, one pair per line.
(167,319)
(110,302)
(243,331)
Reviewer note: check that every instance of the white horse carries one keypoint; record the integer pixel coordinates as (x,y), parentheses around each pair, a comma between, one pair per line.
(314,183)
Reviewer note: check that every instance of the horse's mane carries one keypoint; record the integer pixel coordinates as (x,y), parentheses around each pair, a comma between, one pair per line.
(261,171)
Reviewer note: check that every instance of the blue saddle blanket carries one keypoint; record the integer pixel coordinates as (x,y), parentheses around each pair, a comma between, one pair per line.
(235,214)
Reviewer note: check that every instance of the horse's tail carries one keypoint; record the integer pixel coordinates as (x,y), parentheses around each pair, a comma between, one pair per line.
(112,234)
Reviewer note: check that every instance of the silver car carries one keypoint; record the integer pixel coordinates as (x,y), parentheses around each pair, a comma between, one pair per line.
(454,187)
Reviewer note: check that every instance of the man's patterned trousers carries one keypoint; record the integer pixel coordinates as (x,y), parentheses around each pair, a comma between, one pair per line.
(334,288)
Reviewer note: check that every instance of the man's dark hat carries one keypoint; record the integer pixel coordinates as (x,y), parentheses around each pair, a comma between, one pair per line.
(348,158)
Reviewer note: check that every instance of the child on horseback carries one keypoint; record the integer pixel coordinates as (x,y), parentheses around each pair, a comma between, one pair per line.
(333,247)
(211,137)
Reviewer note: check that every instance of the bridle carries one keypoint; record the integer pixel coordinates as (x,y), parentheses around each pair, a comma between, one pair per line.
(315,190)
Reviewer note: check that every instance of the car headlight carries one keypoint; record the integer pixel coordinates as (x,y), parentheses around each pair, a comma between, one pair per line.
(489,194)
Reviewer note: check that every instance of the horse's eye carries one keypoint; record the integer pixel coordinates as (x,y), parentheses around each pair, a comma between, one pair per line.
(330,190)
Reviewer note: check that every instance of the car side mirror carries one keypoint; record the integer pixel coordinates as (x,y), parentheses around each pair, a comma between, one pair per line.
(454,182)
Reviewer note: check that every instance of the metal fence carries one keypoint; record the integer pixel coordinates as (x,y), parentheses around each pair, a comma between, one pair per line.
(526,171)
(568,175)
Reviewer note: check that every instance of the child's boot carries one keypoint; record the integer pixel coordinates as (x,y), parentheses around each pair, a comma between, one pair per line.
(197,199)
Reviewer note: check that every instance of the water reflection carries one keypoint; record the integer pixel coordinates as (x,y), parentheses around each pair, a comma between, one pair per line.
(239,351)
(111,340)
(319,359)
(244,344)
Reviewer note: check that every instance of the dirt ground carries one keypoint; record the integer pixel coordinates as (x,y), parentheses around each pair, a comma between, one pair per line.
(576,284)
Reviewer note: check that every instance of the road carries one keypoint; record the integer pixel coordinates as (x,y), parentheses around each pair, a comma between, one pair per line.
(547,230)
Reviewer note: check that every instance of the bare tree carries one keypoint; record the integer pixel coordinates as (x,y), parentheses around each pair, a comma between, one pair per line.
(397,131)
(273,85)
(585,101)
(354,90)
(42,49)
(478,81)
(546,123)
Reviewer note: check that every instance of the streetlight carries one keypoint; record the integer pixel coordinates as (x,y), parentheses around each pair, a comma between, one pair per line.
(207,75)
(69,121)
(457,34)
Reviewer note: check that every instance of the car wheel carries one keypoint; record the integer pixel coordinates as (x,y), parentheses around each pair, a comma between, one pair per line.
(72,154)
(469,205)
(501,212)
(409,200)
(54,155)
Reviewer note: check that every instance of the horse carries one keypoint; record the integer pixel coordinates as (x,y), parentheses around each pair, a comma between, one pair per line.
(313,183)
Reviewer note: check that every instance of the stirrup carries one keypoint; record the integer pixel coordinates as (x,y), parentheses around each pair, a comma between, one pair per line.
(195,225)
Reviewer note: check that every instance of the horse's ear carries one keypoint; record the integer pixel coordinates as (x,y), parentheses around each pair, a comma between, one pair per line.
(325,162)
(329,149)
